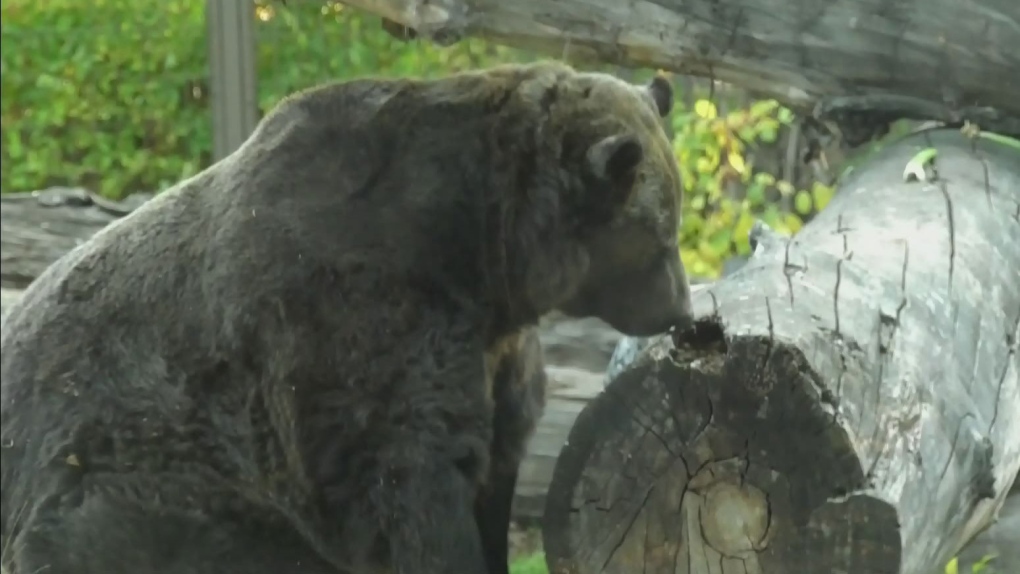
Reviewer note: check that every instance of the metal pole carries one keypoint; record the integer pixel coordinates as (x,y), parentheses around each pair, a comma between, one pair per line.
(232,81)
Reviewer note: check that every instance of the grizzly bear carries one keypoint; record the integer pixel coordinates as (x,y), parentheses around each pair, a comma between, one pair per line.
(317,355)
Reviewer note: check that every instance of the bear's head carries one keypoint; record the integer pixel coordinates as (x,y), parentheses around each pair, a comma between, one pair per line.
(605,167)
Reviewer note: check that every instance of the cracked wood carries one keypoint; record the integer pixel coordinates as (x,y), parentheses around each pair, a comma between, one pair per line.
(841,406)
(923,59)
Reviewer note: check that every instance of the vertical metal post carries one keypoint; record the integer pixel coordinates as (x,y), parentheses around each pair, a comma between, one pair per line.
(232,81)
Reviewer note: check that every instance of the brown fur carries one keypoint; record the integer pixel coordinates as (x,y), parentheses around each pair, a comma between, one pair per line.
(280,364)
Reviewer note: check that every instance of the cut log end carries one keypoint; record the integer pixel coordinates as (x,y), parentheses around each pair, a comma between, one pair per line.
(715,458)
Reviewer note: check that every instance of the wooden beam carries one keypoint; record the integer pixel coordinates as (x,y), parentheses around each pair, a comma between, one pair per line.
(853,62)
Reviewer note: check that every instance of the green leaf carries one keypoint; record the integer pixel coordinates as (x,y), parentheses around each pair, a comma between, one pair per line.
(983,564)
(763,108)
(721,241)
(756,194)
(821,194)
(916,168)
(768,133)
(1004,140)
(802,203)
(534,564)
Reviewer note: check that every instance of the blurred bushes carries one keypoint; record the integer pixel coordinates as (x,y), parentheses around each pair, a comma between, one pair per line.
(113,95)
(724,193)
(105,94)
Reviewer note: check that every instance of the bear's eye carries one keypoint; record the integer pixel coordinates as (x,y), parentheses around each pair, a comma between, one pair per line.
(586,92)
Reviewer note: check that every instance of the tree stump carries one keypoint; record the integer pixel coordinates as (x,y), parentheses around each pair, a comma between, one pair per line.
(848,402)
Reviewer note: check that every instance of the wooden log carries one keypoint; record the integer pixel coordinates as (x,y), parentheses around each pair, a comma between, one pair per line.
(848,402)
(844,61)
(38,227)
(999,543)
(7,298)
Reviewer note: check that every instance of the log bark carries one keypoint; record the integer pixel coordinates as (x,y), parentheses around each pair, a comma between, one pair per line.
(848,402)
(998,542)
(38,227)
(844,61)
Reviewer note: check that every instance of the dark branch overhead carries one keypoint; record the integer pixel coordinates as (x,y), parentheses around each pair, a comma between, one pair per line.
(924,59)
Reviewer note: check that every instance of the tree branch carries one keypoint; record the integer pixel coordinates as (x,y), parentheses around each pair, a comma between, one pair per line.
(923,59)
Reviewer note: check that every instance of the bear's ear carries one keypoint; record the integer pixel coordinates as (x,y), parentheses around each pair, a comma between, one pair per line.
(662,94)
(615,160)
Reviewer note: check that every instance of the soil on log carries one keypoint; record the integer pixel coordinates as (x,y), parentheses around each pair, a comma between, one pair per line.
(848,402)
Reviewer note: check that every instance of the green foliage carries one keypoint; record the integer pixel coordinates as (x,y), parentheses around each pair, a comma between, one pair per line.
(724,193)
(982,566)
(97,93)
(309,43)
(534,564)
(113,95)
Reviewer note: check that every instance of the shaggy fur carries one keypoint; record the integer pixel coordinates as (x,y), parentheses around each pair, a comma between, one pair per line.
(315,356)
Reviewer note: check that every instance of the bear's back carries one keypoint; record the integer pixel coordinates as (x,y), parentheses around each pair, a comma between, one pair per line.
(120,283)
(300,242)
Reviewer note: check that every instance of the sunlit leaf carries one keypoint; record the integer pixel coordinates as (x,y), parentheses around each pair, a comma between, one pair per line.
(802,203)
(765,178)
(763,107)
(737,162)
(705,109)
(983,564)
(821,194)
(785,188)
(755,194)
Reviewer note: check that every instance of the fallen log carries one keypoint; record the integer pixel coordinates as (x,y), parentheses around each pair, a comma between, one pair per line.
(38,227)
(847,62)
(997,545)
(847,403)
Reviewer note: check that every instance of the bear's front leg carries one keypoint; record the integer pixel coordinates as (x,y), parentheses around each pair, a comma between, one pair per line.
(519,396)
(431,527)
(399,470)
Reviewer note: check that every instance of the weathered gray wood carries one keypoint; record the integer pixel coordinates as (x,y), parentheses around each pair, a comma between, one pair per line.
(907,58)
(570,389)
(38,227)
(1001,541)
(848,403)
(7,298)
